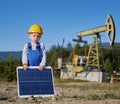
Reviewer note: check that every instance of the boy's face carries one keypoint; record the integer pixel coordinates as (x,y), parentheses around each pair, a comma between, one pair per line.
(34,37)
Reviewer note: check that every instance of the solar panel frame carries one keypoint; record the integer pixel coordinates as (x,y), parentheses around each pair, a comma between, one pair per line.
(40,81)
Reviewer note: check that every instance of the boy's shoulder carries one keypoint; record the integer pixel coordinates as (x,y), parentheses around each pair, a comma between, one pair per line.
(41,43)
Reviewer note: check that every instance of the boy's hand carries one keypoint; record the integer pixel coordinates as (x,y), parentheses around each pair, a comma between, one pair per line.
(25,66)
(41,67)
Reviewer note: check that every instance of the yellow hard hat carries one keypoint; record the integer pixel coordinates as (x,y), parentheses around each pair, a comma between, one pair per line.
(35,28)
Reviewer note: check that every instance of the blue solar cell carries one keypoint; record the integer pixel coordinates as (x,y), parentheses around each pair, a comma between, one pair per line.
(35,82)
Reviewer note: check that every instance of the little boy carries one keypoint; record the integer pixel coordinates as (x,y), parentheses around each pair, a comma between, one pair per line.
(34,51)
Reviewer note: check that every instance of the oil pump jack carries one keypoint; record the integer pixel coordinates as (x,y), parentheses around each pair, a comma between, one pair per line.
(94,54)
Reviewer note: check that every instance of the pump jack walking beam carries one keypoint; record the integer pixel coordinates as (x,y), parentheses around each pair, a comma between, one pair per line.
(109,28)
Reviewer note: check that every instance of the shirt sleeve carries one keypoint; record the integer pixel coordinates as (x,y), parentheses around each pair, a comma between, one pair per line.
(24,54)
(43,61)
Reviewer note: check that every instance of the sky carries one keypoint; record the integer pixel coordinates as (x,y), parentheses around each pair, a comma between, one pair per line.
(59,19)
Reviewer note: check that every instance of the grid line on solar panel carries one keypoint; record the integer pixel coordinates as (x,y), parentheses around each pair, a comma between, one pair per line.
(35,82)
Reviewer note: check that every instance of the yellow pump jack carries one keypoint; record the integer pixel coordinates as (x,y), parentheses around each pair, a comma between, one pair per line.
(94,54)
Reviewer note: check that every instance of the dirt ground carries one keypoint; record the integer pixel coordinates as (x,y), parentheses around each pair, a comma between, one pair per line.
(66,93)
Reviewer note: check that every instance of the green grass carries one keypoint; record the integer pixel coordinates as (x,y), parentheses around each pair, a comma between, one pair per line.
(58,80)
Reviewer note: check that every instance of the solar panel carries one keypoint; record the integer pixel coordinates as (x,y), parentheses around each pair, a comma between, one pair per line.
(34,82)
